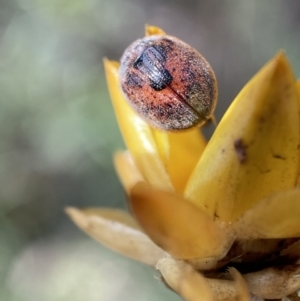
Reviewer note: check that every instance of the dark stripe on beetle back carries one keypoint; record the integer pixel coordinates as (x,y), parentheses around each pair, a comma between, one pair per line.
(133,80)
(151,64)
(160,52)
(160,84)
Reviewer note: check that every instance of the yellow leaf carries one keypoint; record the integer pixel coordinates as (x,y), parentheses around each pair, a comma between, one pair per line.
(118,231)
(180,152)
(178,226)
(298,90)
(136,133)
(127,170)
(153,30)
(253,152)
(274,217)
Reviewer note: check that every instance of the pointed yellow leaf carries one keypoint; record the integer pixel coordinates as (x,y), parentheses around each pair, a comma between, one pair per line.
(118,231)
(254,150)
(153,30)
(177,226)
(180,152)
(162,143)
(127,170)
(274,217)
(298,90)
(136,133)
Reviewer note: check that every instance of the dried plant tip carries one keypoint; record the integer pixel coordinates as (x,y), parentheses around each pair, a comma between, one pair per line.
(118,231)
(274,283)
(192,285)
(184,280)
(229,290)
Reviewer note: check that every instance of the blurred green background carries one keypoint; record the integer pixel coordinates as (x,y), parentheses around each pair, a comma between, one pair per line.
(58,131)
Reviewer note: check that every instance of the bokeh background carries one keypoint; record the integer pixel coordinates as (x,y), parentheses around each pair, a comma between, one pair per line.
(58,130)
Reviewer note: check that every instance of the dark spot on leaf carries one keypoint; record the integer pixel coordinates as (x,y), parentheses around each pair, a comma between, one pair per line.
(241,150)
(276,156)
(216,216)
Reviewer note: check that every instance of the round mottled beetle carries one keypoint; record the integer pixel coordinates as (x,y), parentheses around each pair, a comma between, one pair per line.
(168,82)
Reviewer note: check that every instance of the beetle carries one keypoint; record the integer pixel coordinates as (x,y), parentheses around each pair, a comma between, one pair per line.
(168,83)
